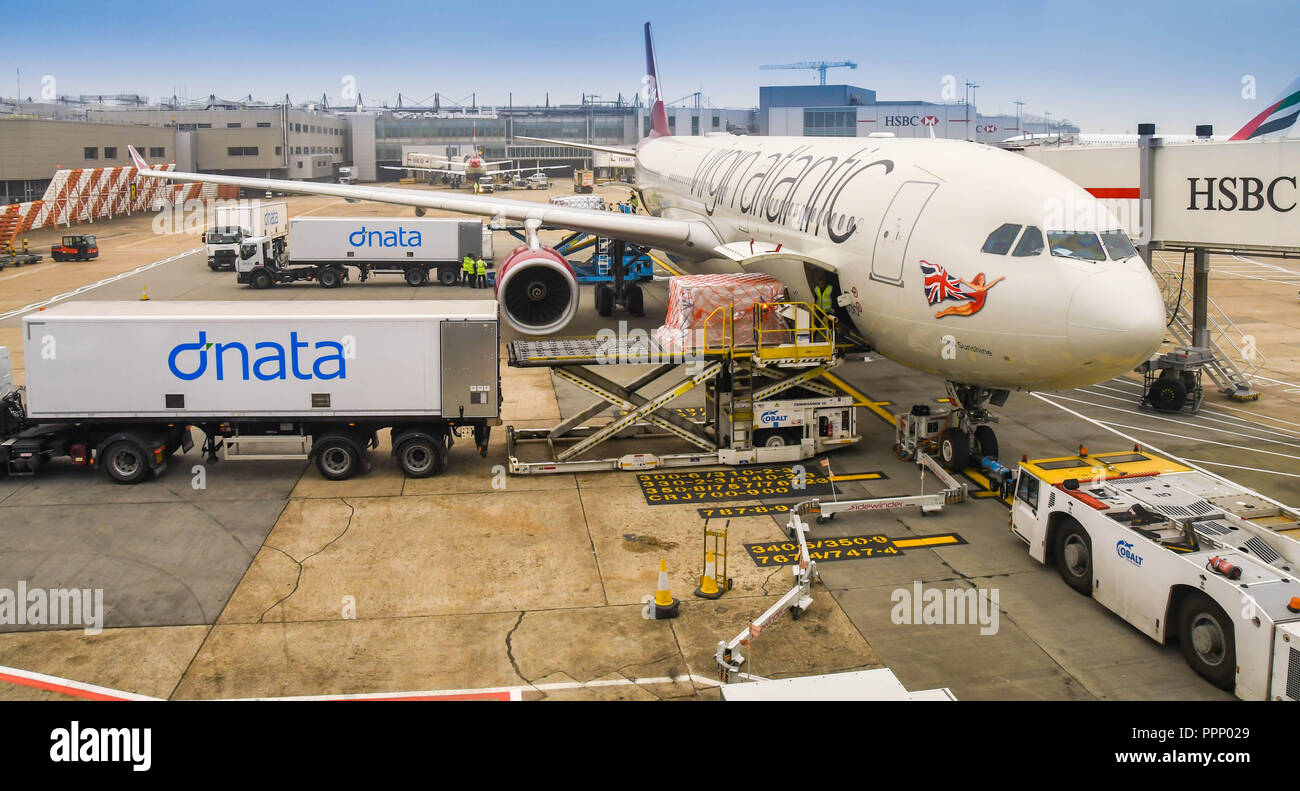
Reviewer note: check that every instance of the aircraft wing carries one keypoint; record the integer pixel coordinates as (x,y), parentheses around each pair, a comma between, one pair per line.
(636,228)
(423,169)
(526,170)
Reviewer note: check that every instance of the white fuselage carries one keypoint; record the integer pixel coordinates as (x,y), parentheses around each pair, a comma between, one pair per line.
(874,209)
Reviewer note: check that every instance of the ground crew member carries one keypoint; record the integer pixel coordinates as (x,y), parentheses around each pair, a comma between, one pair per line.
(467,272)
(480,273)
(24,245)
(822,296)
(632,201)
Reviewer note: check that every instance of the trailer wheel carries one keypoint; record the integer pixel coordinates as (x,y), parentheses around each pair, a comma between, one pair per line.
(329,277)
(1074,557)
(447,275)
(635,301)
(1206,637)
(125,462)
(954,449)
(769,438)
(416,276)
(337,459)
(604,300)
(420,457)
(1167,394)
(260,279)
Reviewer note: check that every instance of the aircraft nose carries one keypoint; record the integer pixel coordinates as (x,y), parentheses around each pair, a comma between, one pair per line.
(1115,320)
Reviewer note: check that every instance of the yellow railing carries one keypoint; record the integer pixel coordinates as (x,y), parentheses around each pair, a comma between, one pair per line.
(791,339)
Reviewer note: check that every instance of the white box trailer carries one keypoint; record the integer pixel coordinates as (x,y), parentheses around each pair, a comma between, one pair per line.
(333,374)
(322,248)
(233,223)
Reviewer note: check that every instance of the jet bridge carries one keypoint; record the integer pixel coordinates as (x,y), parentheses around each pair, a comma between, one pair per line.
(746,419)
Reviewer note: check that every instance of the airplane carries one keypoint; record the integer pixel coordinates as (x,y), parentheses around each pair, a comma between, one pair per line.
(471,168)
(950,257)
(1276,119)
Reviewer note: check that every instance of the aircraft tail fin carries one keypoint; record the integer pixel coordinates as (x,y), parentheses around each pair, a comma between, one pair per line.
(140,164)
(1279,115)
(650,87)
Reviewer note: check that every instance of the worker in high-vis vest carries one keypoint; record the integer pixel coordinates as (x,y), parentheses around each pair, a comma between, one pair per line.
(822,296)
(480,273)
(467,272)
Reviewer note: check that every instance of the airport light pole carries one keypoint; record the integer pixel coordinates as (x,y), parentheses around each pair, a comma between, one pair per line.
(970,89)
(1018,104)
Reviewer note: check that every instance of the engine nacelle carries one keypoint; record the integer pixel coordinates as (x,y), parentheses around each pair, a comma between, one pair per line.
(537,290)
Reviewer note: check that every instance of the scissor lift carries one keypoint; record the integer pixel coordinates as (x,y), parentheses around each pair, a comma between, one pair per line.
(745,421)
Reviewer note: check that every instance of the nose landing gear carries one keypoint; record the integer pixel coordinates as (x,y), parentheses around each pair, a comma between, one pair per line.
(958,433)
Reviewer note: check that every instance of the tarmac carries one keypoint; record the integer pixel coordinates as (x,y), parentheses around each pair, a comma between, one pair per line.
(268,581)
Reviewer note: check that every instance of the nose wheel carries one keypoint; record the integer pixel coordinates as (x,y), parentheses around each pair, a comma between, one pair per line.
(619,292)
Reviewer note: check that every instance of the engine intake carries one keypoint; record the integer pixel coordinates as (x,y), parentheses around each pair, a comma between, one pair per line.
(537,290)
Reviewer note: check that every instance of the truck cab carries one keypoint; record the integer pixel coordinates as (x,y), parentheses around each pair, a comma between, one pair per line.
(223,245)
(260,253)
(1178,553)
(75,247)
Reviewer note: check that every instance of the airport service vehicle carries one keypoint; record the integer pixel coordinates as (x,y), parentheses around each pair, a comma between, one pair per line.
(584,181)
(76,247)
(1178,553)
(118,385)
(941,252)
(324,247)
(346,176)
(232,225)
(538,181)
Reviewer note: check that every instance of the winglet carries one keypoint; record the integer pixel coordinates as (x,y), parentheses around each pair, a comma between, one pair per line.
(658,118)
(140,164)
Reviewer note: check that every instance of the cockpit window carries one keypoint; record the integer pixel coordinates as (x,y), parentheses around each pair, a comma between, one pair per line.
(999,242)
(1030,244)
(1118,245)
(1076,244)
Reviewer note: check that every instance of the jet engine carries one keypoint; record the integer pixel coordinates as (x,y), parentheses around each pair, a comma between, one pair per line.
(537,290)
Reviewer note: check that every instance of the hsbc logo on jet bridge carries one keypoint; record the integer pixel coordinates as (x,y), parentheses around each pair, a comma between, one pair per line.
(1241,193)
(904,120)
(266,361)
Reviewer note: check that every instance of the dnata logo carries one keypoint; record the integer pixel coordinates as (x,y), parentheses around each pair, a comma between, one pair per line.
(399,238)
(1125,550)
(771,417)
(266,361)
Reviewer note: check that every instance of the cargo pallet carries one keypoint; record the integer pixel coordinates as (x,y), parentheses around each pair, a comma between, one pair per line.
(739,377)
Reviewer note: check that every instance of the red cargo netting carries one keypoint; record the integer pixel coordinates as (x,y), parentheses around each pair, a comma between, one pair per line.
(692,299)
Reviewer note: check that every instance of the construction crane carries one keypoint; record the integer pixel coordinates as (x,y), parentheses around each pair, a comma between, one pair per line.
(819,65)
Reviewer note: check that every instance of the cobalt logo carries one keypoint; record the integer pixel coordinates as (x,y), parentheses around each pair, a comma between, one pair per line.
(1125,550)
(275,361)
(399,238)
(771,417)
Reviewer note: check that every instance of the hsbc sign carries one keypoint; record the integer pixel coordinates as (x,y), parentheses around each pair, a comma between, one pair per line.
(929,120)
(987,128)
(903,120)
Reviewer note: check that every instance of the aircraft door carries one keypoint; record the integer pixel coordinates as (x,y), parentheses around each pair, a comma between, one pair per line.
(895,230)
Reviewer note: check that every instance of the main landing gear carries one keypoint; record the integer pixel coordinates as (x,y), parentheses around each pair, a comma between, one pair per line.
(958,434)
(619,292)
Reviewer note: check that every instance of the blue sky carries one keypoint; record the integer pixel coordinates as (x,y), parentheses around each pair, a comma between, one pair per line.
(1103,65)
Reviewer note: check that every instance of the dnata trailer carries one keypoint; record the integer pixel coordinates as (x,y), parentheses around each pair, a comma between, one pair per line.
(321,249)
(119,384)
(1178,553)
(244,220)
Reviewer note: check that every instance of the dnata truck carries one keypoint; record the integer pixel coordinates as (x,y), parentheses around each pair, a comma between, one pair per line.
(232,225)
(1179,554)
(118,385)
(323,248)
